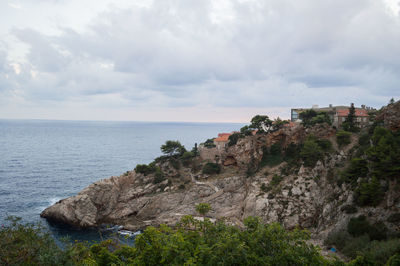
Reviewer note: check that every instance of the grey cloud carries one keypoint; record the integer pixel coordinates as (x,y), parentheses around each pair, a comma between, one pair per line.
(271,53)
(43,54)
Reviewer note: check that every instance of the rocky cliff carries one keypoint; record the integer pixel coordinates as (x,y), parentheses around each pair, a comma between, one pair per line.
(289,193)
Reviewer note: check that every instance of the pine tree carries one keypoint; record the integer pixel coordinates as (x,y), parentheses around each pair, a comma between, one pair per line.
(350,123)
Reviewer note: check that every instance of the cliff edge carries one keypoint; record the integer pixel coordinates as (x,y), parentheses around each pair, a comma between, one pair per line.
(287,191)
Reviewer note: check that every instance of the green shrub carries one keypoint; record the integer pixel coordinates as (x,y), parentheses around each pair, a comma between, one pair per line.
(159,176)
(203,208)
(384,156)
(209,143)
(28,244)
(343,138)
(357,168)
(381,251)
(364,140)
(187,156)
(175,163)
(369,193)
(337,239)
(203,243)
(311,153)
(370,252)
(354,246)
(246,131)
(233,139)
(358,226)
(191,242)
(321,118)
(361,261)
(292,151)
(211,168)
(394,260)
(276,149)
(271,155)
(324,144)
(311,117)
(378,231)
(145,169)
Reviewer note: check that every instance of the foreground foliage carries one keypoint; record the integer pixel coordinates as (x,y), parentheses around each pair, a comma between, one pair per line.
(28,245)
(191,242)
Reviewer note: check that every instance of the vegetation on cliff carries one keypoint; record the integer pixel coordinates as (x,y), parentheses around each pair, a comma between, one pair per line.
(310,176)
(370,242)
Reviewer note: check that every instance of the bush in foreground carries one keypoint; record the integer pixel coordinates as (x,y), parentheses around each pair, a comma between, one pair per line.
(190,242)
(28,245)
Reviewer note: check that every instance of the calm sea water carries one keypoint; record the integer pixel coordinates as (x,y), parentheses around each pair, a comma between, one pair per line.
(42,161)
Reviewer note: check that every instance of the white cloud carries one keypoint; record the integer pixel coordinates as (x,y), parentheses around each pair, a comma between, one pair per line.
(228,54)
(15,5)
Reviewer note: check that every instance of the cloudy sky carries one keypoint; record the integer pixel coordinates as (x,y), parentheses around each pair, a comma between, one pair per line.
(194,60)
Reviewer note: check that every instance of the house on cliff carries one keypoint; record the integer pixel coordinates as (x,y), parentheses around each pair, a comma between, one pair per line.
(337,114)
(222,140)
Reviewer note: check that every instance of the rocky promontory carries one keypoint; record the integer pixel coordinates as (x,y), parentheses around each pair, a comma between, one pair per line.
(289,191)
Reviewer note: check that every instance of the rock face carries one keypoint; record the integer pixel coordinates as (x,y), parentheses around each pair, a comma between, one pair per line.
(305,197)
(390,116)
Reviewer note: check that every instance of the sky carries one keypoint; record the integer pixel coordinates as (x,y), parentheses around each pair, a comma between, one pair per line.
(194,60)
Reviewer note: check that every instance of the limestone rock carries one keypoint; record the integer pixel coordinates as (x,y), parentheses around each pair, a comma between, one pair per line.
(306,198)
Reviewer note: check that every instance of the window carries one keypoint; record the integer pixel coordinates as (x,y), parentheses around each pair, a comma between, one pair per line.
(343,119)
(358,119)
(295,115)
(365,119)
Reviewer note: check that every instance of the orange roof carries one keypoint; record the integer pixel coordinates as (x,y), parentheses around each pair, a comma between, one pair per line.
(290,124)
(358,112)
(223,137)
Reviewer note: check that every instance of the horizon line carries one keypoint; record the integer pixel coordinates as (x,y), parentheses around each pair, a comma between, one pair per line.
(135,121)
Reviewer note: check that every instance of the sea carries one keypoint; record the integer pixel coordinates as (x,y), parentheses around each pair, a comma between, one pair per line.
(43,161)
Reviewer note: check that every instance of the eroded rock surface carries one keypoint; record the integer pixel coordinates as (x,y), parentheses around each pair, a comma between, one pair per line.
(304,197)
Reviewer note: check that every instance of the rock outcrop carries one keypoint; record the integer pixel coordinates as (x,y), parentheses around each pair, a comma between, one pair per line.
(304,197)
(389,115)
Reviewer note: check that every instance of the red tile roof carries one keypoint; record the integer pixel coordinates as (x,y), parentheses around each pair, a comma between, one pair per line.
(223,137)
(290,124)
(358,112)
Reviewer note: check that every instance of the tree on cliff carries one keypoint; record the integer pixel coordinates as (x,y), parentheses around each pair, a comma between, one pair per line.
(384,155)
(203,208)
(350,123)
(172,148)
(261,122)
(311,117)
(279,123)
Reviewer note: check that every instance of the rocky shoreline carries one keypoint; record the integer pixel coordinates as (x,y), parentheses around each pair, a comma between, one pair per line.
(306,197)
